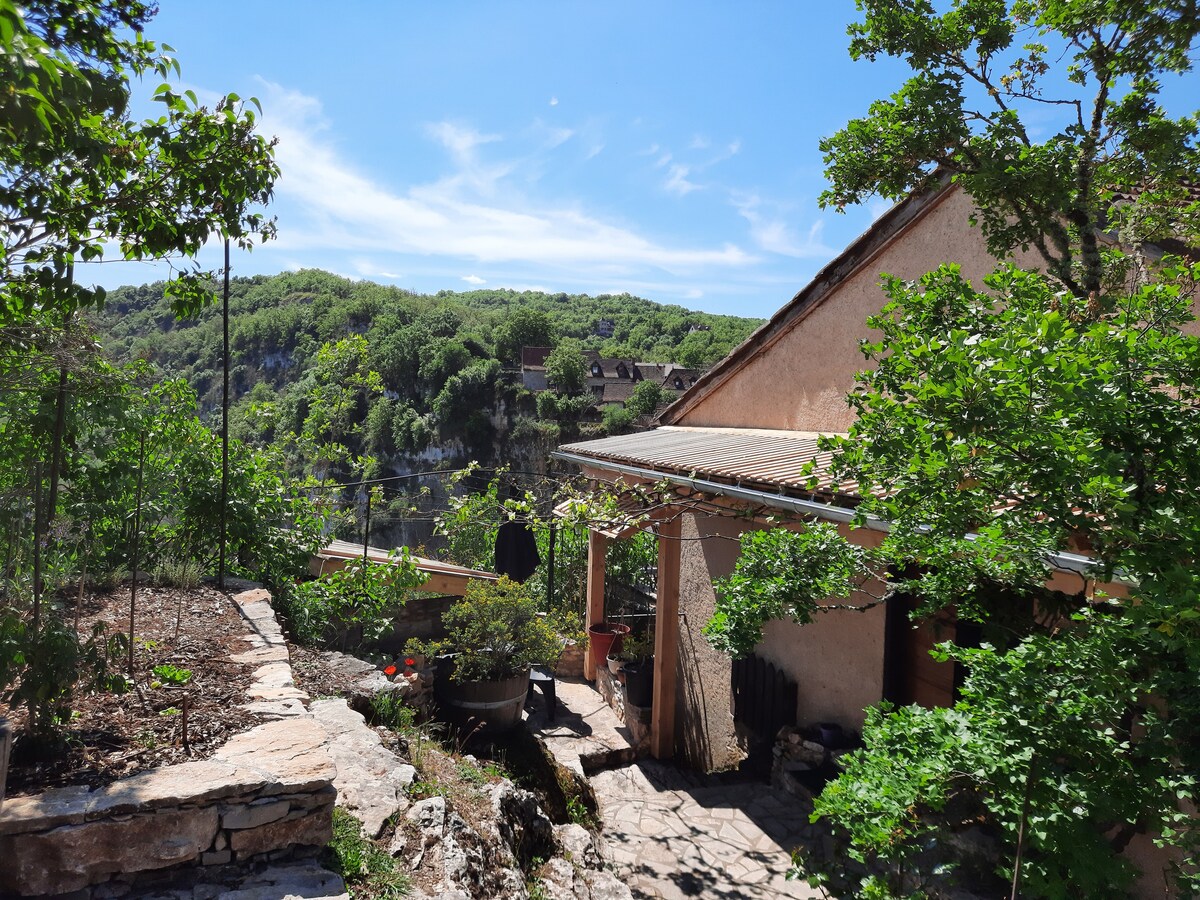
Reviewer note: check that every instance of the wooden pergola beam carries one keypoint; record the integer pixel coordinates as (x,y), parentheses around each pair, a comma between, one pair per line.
(597,547)
(666,641)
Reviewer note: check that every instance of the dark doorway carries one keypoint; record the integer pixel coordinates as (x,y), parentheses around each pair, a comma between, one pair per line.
(910,674)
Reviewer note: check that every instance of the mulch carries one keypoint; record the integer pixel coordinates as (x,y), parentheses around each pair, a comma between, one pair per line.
(110,736)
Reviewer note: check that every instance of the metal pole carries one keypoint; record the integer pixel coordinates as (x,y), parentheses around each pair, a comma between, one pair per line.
(550,573)
(367,530)
(224,422)
(137,531)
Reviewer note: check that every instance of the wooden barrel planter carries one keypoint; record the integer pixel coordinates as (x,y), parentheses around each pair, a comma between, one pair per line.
(605,638)
(496,704)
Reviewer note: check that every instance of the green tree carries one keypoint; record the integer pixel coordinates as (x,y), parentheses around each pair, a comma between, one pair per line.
(565,368)
(523,327)
(1090,72)
(77,173)
(1001,426)
(616,418)
(647,396)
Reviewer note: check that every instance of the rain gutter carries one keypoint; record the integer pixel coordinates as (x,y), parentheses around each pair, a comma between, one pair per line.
(1060,561)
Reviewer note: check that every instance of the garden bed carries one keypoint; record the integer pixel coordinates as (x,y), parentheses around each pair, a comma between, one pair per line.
(108,735)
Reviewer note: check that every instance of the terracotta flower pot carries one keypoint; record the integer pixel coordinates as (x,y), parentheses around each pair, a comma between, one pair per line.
(605,638)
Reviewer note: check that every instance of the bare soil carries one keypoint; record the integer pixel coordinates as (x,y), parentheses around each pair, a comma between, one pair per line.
(112,735)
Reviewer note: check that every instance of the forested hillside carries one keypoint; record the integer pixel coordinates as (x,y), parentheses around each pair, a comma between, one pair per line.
(350,378)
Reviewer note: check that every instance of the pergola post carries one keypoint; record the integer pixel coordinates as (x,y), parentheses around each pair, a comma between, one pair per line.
(597,545)
(666,641)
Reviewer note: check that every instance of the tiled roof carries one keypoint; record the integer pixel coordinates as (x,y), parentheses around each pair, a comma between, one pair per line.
(753,458)
(616,391)
(534,357)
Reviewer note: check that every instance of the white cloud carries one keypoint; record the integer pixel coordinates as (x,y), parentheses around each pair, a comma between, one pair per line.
(474,213)
(594,150)
(772,233)
(557,137)
(699,142)
(365,267)
(473,279)
(554,101)
(677,181)
(459,140)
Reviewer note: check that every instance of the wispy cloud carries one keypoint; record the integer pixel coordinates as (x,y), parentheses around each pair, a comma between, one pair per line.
(677,181)
(772,232)
(680,176)
(473,279)
(459,140)
(474,213)
(554,101)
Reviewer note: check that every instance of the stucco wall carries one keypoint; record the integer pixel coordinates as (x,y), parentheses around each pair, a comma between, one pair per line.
(800,382)
(704,735)
(837,661)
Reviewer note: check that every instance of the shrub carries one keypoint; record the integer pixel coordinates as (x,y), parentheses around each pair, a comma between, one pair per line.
(496,632)
(360,597)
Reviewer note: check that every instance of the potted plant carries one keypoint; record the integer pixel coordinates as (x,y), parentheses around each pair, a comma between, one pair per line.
(605,638)
(493,635)
(639,670)
(632,648)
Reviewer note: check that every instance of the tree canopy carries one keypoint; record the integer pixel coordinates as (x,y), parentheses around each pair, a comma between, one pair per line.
(565,367)
(78,173)
(1089,73)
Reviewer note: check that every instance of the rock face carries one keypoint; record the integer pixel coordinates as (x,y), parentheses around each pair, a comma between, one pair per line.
(372,782)
(522,824)
(490,860)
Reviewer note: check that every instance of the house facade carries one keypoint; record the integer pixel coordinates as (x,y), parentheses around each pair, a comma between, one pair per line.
(729,451)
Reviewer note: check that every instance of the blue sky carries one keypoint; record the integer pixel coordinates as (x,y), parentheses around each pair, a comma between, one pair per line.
(664,149)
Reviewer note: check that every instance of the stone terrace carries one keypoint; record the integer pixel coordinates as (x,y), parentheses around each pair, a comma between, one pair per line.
(672,834)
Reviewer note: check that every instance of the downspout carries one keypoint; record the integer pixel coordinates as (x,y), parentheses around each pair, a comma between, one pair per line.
(1073,563)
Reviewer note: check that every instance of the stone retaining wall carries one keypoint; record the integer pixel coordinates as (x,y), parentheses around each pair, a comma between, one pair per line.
(636,718)
(268,792)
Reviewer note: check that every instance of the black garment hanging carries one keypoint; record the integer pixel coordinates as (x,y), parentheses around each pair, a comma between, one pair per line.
(516,551)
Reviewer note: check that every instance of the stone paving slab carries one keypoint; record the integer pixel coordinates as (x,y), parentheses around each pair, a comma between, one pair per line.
(674,834)
(372,782)
(586,735)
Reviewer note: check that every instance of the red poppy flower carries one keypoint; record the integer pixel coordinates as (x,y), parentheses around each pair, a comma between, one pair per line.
(409,661)
(389,670)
